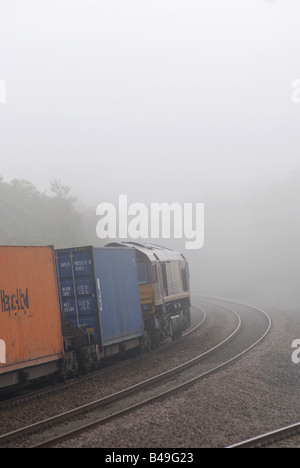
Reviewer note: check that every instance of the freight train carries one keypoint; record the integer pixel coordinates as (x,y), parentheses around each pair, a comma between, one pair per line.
(62,312)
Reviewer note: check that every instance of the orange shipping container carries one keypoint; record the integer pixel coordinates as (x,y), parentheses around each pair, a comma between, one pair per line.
(30,324)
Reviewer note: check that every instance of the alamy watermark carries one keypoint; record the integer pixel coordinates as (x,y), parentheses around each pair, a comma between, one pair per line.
(296,91)
(2,91)
(296,353)
(159,221)
(2,352)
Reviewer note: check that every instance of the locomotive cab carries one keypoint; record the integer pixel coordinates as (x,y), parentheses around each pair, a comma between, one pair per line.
(147,283)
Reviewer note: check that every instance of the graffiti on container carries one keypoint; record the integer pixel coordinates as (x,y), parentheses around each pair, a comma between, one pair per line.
(13,302)
(2,352)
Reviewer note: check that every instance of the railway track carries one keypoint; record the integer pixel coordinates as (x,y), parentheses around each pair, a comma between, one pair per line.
(37,398)
(249,330)
(35,394)
(286,436)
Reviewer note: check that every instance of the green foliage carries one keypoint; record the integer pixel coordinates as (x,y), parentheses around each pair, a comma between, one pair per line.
(29,217)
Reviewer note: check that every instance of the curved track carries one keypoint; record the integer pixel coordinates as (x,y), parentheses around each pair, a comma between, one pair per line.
(251,327)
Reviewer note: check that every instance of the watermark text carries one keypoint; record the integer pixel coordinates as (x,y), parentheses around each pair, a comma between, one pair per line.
(160,221)
(296,353)
(2,91)
(296,91)
(2,352)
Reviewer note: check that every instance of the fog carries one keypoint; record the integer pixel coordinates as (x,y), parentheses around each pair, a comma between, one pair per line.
(166,101)
(251,250)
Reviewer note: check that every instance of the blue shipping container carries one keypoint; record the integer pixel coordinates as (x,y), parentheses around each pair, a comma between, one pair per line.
(98,288)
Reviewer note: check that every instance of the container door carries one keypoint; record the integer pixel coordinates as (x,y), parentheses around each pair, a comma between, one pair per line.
(76,281)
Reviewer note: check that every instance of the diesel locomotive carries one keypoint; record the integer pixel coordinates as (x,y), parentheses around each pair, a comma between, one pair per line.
(163,276)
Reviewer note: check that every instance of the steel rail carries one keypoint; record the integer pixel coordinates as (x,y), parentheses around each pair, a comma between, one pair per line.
(268,437)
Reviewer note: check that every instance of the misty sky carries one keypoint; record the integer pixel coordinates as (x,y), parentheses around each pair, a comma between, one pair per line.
(158,99)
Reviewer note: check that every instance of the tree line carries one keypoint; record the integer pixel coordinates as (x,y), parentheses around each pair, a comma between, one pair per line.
(30,217)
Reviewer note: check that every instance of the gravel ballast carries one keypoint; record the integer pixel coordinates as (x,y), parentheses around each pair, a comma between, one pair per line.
(257,394)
